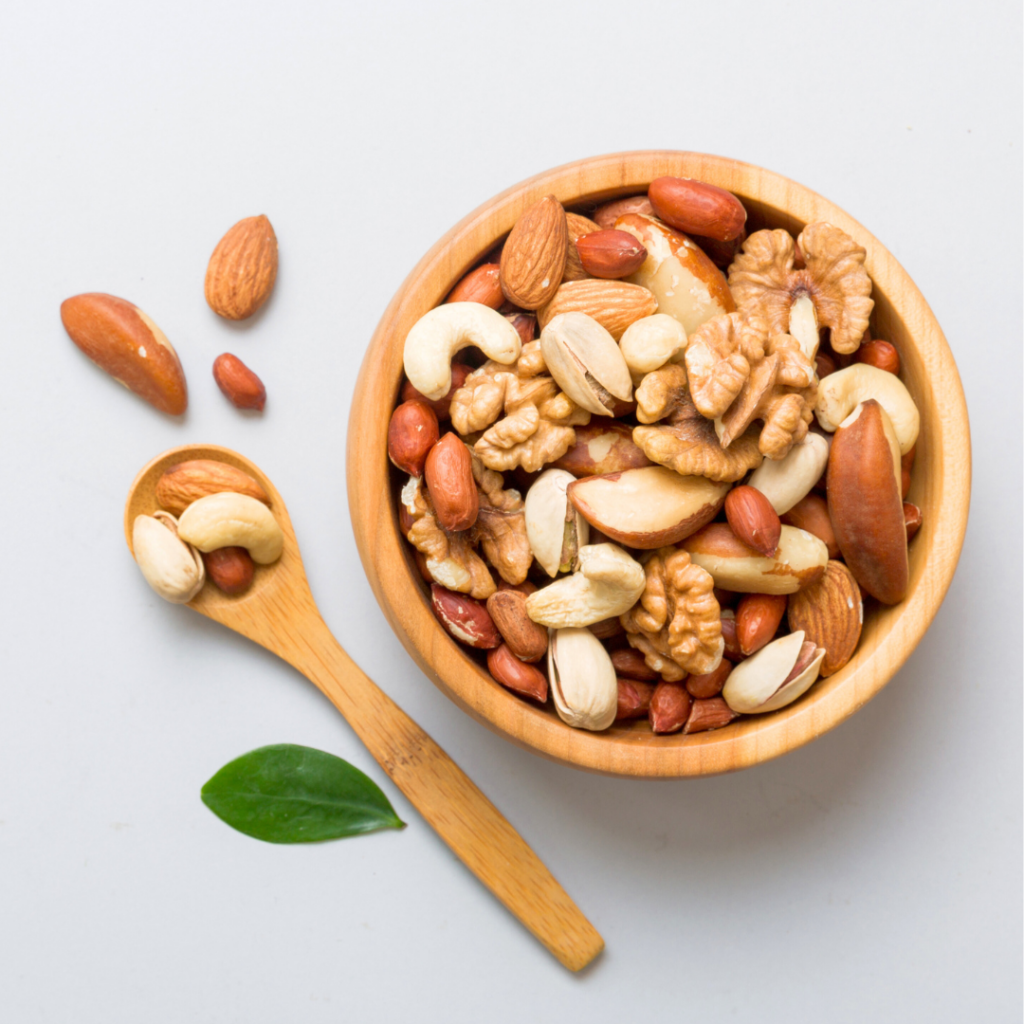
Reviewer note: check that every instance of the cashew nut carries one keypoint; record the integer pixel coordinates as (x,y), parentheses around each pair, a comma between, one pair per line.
(439,334)
(171,567)
(228,520)
(608,583)
(651,342)
(841,392)
(785,481)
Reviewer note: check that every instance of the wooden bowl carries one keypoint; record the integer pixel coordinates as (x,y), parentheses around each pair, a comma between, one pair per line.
(941,480)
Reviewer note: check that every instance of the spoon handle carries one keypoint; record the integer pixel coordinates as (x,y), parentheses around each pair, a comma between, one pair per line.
(452,805)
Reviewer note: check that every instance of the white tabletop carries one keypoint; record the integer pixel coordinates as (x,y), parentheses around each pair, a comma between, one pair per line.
(872,875)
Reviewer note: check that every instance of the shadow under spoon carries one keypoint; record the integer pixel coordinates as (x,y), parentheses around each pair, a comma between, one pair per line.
(279,613)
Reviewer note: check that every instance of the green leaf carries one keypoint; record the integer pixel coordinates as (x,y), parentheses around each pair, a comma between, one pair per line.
(291,794)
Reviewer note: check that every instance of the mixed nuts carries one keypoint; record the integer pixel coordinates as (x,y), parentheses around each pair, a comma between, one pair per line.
(668,462)
(215,524)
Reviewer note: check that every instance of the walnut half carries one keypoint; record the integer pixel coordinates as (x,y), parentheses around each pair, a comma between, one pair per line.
(677,623)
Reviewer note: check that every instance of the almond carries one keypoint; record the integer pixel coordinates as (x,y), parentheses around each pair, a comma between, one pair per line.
(753,520)
(242,269)
(607,214)
(516,675)
(810,513)
(412,432)
(709,713)
(448,472)
(441,406)
(631,664)
(610,254)
(230,569)
(578,227)
(240,386)
(634,699)
(697,208)
(119,338)
(480,285)
(710,684)
(831,614)
(533,260)
(670,707)
(757,620)
(525,639)
(189,481)
(880,354)
(613,304)
(464,618)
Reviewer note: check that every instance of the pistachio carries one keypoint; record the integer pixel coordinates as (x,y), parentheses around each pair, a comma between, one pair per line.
(582,679)
(774,677)
(172,568)
(585,362)
(555,529)
(607,583)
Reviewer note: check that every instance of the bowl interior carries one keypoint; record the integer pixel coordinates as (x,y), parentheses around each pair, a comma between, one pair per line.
(941,480)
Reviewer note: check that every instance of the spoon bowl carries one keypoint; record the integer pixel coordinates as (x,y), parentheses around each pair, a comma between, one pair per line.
(279,613)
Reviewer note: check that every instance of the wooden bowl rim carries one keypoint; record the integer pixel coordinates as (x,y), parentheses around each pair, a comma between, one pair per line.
(941,483)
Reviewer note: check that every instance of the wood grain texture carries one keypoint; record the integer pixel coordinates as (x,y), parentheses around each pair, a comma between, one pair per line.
(941,480)
(279,613)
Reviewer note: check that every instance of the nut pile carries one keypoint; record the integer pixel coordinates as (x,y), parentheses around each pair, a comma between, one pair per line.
(215,523)
(670,486)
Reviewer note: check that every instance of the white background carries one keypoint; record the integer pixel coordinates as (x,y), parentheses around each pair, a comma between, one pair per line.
(873,875)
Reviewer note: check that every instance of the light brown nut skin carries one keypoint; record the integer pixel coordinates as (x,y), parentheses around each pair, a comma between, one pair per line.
(634,699)
(670,707)
(604,445)
(866,506)
(441,406)
(710,684)
(697,208)
(607,214)
(912,518)
(525,639)
(464,618)
(239,385)
(831,614)
(120,339)
(613,304)
(610,254)
(480,285)
(631,664)
(189,481)
(709,713)
(230,569)
(811,514)
(881,354)
(753,520)
(412,432)
(757,620)
(448,472)
(516,675)
(242,269)
(533,259)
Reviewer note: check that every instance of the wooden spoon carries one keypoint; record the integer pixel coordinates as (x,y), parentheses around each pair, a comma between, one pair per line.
(278,612)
